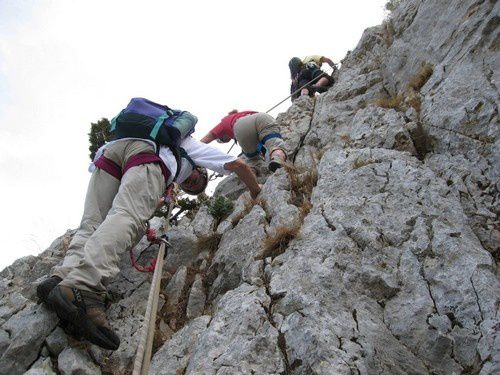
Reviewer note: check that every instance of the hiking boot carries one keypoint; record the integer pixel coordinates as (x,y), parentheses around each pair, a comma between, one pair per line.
(43,290)
(278,157)
(45,287)
(85,311)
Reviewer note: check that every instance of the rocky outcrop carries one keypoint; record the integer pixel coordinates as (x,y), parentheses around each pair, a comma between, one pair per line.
(374,252)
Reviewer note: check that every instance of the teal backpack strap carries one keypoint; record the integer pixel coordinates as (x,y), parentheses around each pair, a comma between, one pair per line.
(113,122)
(159,123)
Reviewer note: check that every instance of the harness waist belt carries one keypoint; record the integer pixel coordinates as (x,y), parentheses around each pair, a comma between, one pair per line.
(271,136)
(114,169)
(109,166)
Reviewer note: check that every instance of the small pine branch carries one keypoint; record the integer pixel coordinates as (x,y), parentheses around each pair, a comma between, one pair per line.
(99,134)
(220,207)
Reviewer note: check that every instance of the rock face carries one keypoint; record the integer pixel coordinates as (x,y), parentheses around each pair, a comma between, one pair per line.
(374,252)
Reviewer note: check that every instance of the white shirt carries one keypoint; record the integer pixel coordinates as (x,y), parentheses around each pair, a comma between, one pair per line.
(203,155)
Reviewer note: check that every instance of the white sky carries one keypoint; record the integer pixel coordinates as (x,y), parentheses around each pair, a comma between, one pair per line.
(65,64)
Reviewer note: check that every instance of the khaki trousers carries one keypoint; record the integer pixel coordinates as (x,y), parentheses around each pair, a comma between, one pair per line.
(251,129)
(113,218)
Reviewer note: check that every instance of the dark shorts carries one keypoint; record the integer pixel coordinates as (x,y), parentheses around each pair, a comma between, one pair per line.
(308,75)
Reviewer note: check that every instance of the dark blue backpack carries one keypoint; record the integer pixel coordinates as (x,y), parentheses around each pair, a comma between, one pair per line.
(145,119)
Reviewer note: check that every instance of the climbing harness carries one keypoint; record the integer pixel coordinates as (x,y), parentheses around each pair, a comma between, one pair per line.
(144,349)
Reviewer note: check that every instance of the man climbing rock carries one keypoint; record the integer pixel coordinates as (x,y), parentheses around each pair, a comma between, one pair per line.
(303,71)
(128,178)
(251,130)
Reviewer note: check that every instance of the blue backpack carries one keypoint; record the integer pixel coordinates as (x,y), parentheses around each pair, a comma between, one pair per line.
(145,119)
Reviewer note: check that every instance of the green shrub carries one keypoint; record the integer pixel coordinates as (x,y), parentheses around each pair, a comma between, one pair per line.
(99,134)
(220,207)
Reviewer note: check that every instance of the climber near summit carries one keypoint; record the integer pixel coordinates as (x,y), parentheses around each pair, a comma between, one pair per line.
(128,178)
(251,130)
(303,71)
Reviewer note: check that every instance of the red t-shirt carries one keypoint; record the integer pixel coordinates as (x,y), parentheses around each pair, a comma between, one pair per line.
(224,130)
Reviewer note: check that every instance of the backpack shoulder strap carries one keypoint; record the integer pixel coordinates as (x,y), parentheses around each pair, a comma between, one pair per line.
(177,156)
(185,155)
(179,153)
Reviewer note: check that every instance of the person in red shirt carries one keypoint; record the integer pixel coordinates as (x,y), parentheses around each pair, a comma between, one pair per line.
(251,129)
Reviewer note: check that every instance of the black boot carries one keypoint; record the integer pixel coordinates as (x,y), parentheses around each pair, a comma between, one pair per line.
(319,89)
(85,311)
(43,290)
(45,287)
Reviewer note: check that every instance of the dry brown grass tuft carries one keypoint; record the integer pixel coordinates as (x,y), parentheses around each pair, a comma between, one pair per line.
(277,243)
(417,82)
(301,183)
(261,202)
(388,33)
(394,102)
(304,209)
(415,102)
(209,242)
(411,97)
(346,139)
(358,163)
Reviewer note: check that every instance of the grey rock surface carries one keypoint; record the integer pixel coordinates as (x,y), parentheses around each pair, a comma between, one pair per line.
(73,361)
(237,248)
(173,357)
(56,342)
(203,223)
(43,366)
(386,263)
(197,299)
(28,330)
(174,291)
(238,336)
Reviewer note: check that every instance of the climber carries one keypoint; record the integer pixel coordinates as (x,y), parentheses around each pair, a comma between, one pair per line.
(251,130)
(309,69)
(127,180)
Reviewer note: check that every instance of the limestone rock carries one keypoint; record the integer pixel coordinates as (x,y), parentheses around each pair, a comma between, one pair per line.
(203,223)
(393,267)
(238,334)
(236,248)
(56,342)
(173,357)
(74,361)
(28,329)
(43,366)
(197,298)
(183,250)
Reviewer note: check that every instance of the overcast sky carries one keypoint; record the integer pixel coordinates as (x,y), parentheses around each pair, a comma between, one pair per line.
(65,64)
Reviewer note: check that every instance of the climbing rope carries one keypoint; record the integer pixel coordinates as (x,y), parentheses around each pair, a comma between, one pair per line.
(144,349)
(215,175)
(301,88)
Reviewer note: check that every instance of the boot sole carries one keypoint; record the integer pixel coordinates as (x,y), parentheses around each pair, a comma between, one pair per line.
(274,165)
(77,317)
